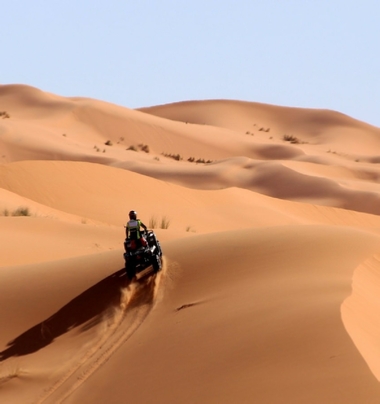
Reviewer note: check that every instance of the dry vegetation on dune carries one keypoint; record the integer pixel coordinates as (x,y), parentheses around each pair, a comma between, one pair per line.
(4,114)
(269,220)
(21,211)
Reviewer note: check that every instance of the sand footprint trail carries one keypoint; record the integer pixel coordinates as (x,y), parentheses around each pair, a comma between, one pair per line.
(137,300)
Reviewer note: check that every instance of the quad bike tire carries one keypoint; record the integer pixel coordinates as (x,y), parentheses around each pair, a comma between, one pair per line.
(159,248)
(156,263)
(130,270)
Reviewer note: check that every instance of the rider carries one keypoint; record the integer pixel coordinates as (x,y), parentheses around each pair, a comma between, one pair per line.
(132,228)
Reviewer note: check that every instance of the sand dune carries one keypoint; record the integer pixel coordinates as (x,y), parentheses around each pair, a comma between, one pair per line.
(269,290)
(243,153)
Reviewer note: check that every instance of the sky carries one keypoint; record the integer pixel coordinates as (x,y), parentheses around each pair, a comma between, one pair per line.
(297,53)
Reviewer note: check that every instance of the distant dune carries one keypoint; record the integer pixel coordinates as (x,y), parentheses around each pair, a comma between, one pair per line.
(270,287)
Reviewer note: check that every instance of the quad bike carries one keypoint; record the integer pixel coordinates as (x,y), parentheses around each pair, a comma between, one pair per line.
(142,259)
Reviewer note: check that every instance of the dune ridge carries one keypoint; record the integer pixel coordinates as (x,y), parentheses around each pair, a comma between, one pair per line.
(246,139)
(269,291)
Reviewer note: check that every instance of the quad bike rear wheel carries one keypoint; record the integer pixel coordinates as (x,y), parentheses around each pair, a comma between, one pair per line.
(156,262)
(130,270)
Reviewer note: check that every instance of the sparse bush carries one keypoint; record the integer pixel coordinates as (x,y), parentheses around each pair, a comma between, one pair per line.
(203,161)
(262,129)
(4,114)
(291,139)
(176,157)
(173,156)
(165,222)
(144,147)
(108,143)
(21,211)
(64,134)
(153,222)
(141,146)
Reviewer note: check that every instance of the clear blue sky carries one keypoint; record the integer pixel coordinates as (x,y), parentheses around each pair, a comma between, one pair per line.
(304,53)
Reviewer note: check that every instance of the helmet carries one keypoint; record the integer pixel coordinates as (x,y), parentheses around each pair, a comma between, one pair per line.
(133,215)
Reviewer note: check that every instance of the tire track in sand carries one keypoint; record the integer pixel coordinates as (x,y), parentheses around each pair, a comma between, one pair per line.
(136,302)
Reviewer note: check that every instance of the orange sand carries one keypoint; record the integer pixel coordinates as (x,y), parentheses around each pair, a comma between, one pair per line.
(270,287)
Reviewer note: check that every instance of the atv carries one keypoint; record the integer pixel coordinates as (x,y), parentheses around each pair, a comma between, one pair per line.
(142,259)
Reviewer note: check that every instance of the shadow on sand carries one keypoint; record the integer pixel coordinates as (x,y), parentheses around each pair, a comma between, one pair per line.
(87,310)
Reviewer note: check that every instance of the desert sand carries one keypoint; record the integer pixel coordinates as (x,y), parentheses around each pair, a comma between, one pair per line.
(269,221)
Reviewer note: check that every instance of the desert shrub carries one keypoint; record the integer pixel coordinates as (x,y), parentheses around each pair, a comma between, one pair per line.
(21,211)
(108,143)
(153,222)
(203,161)
(4,114)
(262,129)
(165,222)
(177,157)
(144,147)
(291,139)
(140,146)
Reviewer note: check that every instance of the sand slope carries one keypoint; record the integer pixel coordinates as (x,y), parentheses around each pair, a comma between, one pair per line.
(262,328)
(269,291)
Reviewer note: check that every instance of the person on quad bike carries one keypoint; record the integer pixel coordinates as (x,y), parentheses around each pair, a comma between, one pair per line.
(132,229)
